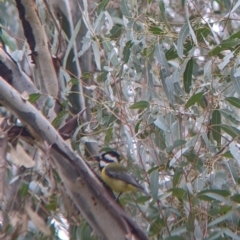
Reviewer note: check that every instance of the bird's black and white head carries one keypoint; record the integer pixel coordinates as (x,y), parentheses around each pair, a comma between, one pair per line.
(106,158)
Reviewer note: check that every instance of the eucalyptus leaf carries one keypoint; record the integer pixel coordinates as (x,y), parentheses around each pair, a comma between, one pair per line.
(154,184)
(194,99)
(96,54)
(235,80)
(161,123)
(71,42)
(184,32)
(102,5)
(236,198)
(237,73)
(225,61)
(140,105)
(60,118)
(234,101)
(160,56)
(226,44)
(126,51)
(34,97)
(231,234)
(216,130)
(125,8)
(220,219)
(187,76)
(232,131)
(163,12)
(174,238)
(235,151)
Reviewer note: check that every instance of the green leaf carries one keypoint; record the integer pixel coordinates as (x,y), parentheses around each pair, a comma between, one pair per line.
(6,39)
(202,33)
(73,81)
(52,203)
(229,234)
(85,76)
(116,31)
(64,104)
(234,101)
(59,119)
(161,123)
(102,5)
(236,198)
(215,194)
(84,231)
(156,226)
(193,99)
(136,129)
(140,105)
(174,238)
(192,157)
(171,54)
(160,56)
(126,51)
(163,13)
(221,210)
(148,52)
(96,54)
(227,155)
(71,42)
(230,115)
(109,49)
(227,44)
(181,39)
(234,149)
(232,131)
(109,120)
(218,220)
(235,80)
(108,136)
(190,222)
(178,192)
(216,130)
(159,139)
(125,8)
(176,177)
(23,189)
(222,192)
(154,180)
(187,76)
(177,143)
(155,30)
(34,97)
(102,77)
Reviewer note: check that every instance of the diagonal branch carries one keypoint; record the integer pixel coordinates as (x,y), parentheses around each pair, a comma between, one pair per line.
(103,214)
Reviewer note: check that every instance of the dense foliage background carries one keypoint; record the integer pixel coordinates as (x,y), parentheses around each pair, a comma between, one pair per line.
(159,81)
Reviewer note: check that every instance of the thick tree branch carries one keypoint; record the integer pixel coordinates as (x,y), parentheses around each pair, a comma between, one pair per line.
(103,214)
(38,43)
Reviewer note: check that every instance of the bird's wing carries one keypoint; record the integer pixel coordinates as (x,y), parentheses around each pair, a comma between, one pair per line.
(123,175)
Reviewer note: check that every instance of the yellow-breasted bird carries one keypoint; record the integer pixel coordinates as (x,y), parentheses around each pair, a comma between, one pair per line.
(117,176)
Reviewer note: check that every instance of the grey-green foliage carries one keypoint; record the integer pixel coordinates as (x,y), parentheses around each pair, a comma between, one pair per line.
(173,89)
(166,96)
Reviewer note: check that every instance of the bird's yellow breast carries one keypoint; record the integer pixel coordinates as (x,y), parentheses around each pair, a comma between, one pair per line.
(117,185)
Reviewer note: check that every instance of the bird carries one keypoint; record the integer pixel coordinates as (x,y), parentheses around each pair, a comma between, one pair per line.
(117,176)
